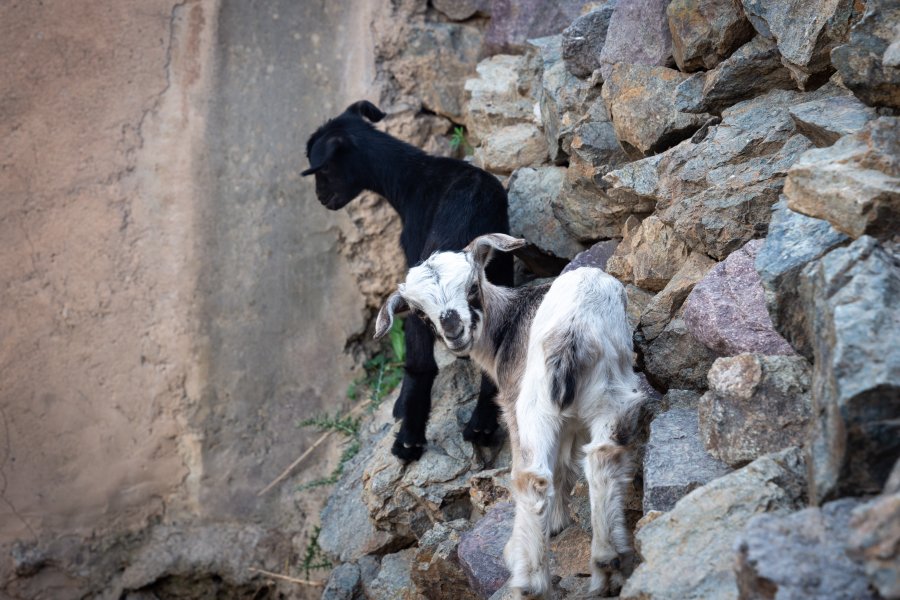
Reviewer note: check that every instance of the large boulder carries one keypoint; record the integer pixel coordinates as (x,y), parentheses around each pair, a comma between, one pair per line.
(650,254)
(756,404)
(583,40)
(394,578)
(436,570)
(675,461)
(852,300)
(875,540)
(827,120)
(508,148)
(501,95)
(854,184)
(727,311)
(704,32)
(716,193)
(641,103)
(638,35)
(564,98)
(513,22)
(657,314)
(805,31)
(531,216)
(675,359)
(688,552)
(869,62)
(801,555)
(481,550)
(753,69)
(794,240)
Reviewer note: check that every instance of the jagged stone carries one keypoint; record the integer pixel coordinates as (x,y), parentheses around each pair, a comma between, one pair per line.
(570,552)
(805,31)
(582,41)
(564,98)
(638,35)
(531,216)
(801,555)
(854,184)
(406,499)
(638,300)
(481,550)
(674,359)
(515,21)
(490,487)
(717,193)
(344,583)
(726,310)
(665,304)
(756,404)
(394,578)
(675,461)
(500,95)
(688,552)
(825,121)
(704,32)
(508,148)
(852,300)
(641,101)
(436,570)
(875,541)
(869,62)
(596,256)
(793,241)
(460,10)
(753,69)
(649,254)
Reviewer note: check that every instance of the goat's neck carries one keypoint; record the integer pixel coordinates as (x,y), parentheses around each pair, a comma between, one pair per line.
(496,301)
(395,172)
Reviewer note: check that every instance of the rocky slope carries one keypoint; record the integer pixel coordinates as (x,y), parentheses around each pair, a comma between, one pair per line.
(735,165)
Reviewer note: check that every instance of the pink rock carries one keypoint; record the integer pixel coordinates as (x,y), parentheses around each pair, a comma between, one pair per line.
(638,35)
(480,550)
(726,311)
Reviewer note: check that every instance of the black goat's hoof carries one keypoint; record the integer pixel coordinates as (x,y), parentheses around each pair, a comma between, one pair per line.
(482,434)
(407,451)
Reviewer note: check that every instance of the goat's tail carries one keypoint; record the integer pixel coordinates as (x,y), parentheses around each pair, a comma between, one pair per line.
(564,351)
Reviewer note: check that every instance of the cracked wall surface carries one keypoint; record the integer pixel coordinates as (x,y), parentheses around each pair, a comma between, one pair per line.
(167,306)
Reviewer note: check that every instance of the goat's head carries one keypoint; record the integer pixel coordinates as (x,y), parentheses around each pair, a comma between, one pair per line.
(446,292)
(331,150)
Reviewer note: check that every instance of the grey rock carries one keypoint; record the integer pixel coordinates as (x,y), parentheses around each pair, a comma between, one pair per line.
(564,98)
(582,41)
(531,215)
(393,579)
(800,556)
(641,103)
(704,32)
(344,583)
(481,550)
(638,35)
(501,95)
(675,462)
(793,241)
(638,300)
(727,311)
(650,254)
(688,552)
(508,148)
(868,62)
(756,404)
(460,10)
(666,303)
(513,22)
(854,184)
(596,256)
(825,121)
(805,31)
(753,69)
(406,500)
(852,299)
(674,359)
(436,570)
(875,541)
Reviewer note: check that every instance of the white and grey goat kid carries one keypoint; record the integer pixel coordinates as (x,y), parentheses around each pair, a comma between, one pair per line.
(561,356)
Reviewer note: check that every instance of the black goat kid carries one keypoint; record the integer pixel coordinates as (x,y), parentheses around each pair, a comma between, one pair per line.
(443,203)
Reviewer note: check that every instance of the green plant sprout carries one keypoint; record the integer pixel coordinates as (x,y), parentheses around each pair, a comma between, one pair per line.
(458,140)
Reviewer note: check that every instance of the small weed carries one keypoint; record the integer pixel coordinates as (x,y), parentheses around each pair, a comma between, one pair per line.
(314,559)
(458,140)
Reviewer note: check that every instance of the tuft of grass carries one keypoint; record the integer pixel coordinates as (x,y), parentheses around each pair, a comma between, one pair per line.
(313,558)
(458,140)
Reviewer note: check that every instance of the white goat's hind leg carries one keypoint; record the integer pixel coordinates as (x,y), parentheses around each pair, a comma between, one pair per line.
(526,552)
(608,472)
(564,478)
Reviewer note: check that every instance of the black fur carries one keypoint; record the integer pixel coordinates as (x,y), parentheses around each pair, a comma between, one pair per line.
(562,364)
(444,203)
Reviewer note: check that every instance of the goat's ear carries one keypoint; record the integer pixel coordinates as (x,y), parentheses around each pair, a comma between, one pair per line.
(483,246)
(366,109)
(394,305)
(322,152)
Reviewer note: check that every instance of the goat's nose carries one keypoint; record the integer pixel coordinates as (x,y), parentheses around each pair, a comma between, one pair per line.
(451,324)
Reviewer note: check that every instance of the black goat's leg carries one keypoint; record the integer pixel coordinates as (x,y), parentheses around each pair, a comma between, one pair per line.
(482,427)
(414,402)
